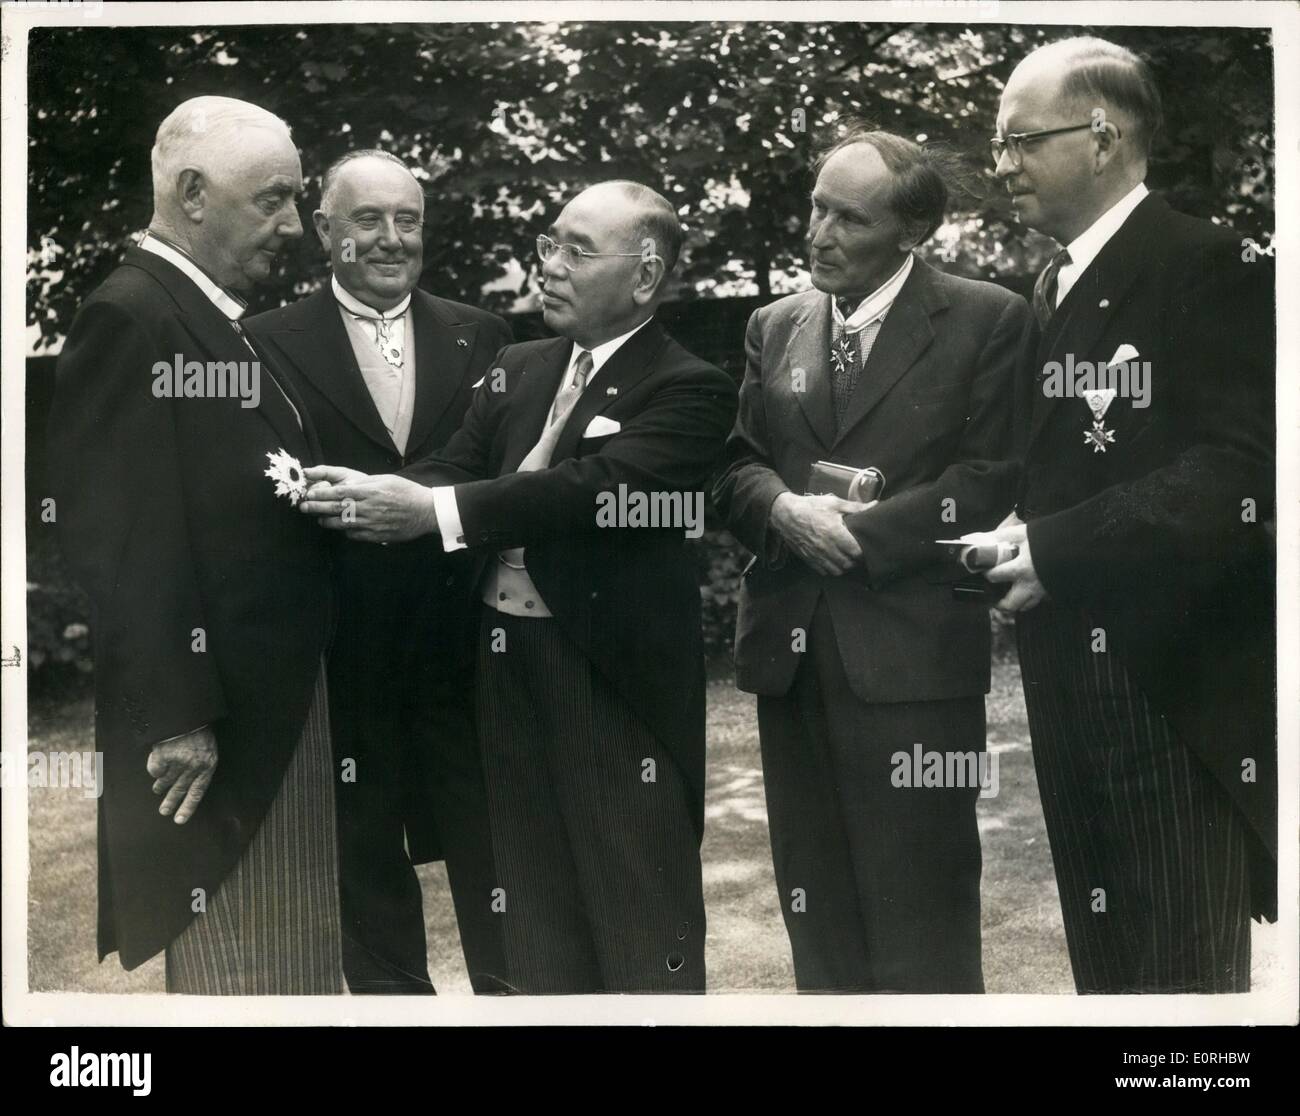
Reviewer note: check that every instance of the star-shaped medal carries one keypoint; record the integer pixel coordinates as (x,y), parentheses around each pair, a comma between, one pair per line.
(842,355)
(1099,403)
(1098,437)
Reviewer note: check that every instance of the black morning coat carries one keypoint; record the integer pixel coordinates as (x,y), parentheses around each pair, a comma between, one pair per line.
(170,526)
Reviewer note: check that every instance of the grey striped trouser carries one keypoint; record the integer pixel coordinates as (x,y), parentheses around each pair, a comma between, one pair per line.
(1150,853)
(597,857)
(273,926)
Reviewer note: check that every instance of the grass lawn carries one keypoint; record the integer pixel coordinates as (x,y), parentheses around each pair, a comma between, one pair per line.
(747,950)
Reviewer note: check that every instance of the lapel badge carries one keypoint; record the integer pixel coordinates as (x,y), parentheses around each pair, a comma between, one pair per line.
(462,342)
(1103,304)
(611,391)
(1099,402)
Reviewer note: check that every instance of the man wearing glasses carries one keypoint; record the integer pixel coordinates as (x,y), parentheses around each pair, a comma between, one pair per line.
(590,687)
(387,372)
(1143,583)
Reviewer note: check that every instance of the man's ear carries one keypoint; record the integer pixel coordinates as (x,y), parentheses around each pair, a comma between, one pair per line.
(322,224)
(909,236)
(1106,136)
(192,193)
(650,276)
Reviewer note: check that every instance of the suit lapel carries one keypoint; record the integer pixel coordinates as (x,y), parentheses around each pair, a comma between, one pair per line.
(319,346)
(619,374)
(443,347)
(216,339)
(1080,321)
(904,336)
(809,349)
(539,381)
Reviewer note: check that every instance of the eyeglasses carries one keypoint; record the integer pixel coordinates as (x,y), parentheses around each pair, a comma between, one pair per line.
(1012,143)
(571,256)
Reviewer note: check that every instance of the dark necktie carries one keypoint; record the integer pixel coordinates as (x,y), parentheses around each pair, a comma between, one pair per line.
(1045,288)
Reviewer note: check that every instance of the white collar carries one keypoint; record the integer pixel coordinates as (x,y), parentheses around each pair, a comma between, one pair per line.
(877,302)
(602,352)
(1085,247)
(354,305)
(231,305)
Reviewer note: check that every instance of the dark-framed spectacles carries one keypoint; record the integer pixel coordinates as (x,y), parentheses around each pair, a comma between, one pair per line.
(1011,143)
(571,256)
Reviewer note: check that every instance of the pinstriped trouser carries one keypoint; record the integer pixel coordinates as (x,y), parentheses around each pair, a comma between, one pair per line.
(600,867)
(273,927)
(1132,811)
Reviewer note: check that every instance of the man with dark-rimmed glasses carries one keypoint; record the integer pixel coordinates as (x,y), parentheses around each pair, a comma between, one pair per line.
(590,689)
(1143,583)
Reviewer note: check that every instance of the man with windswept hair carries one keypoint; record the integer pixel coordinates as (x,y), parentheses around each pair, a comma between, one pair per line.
(848,630)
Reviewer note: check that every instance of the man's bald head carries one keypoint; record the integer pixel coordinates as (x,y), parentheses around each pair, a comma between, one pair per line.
(652,223)
(629,238)
(1086,73)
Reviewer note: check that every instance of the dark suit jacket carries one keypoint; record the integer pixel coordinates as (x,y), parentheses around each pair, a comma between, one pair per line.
(932,411)
(1150,536)
(170,525)
(628,597)
(409,586)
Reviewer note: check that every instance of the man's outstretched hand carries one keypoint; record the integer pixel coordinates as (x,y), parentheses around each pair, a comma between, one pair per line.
(380,509)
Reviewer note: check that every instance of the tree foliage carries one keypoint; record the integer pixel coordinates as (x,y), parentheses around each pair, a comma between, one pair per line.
(503,121)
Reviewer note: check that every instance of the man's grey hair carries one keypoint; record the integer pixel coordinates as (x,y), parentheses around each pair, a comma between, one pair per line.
(329,183)
(1099,73)
(918,196)
(201,133)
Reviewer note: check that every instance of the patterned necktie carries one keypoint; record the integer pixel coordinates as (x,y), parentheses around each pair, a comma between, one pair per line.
(385,335)
(1045,288)
(539,457)
(846,360)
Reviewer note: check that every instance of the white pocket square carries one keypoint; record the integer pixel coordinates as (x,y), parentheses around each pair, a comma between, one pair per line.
(600,426)
(1123,354)
(480,383)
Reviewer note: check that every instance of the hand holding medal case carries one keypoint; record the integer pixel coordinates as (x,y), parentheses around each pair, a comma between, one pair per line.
(845,481)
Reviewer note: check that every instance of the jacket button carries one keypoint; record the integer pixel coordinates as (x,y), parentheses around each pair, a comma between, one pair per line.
(451,581)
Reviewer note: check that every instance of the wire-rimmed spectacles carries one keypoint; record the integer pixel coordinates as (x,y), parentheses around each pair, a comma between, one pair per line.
(571,256)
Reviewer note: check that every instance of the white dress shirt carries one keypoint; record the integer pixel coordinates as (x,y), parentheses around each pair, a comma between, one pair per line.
(444,497)
(391,386)
(231,305)
(872,309)
(1083,249)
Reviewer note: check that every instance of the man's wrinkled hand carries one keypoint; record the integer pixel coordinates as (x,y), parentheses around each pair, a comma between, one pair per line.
(182,769)
(1025,590)
(813,526)
(380,509)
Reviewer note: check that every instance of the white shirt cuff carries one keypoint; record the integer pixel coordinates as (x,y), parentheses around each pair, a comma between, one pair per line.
(444,506)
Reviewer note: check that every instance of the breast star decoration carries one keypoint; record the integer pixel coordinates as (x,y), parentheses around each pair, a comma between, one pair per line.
(286,471)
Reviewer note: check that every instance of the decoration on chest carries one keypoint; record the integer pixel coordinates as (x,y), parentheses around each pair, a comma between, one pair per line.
(286,471)
(1099,401)
(843,356)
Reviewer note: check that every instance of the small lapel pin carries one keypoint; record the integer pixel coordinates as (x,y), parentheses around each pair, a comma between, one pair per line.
(1103,304)
(462,342)
(611,391)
